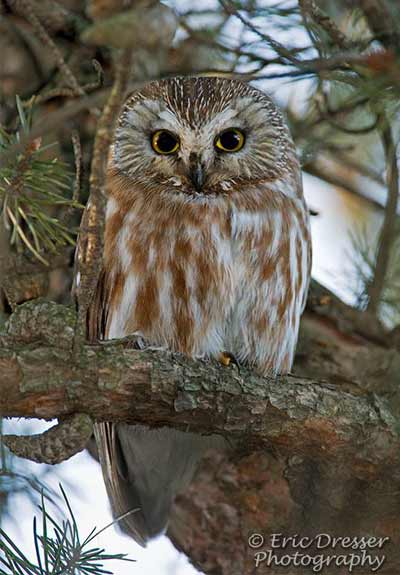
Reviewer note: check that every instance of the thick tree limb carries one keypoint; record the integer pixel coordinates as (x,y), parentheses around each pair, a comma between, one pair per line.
(42,377)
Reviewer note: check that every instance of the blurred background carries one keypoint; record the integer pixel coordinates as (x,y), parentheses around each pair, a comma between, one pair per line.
(332,66)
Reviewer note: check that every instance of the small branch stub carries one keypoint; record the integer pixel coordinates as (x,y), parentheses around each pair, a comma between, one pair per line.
(55,445)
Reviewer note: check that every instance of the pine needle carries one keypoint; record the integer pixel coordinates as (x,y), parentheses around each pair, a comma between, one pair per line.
(58,548)
(30,186)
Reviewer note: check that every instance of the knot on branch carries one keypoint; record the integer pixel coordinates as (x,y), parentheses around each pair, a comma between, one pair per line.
(55,445)
(42,320)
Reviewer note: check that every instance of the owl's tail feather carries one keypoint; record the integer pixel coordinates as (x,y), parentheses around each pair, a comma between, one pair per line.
(144,469)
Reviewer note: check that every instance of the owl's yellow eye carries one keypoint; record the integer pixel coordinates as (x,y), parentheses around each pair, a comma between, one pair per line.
(164,142)
(231,140)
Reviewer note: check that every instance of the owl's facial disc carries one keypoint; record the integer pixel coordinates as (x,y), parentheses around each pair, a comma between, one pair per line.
(192,136)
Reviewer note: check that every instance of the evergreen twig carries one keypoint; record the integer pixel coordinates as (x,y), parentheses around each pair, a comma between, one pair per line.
(59,549)
(28,188)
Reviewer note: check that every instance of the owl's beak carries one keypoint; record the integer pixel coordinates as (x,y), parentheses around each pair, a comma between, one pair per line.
(197,175)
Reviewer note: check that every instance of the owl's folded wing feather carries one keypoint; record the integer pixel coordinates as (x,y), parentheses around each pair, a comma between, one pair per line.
(122,496)
(124,500)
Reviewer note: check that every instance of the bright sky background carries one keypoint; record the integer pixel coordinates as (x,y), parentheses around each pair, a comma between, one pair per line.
(338,212)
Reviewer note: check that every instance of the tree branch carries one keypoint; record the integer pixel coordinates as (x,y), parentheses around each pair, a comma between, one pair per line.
(27,10)
(387,232)
(42,377)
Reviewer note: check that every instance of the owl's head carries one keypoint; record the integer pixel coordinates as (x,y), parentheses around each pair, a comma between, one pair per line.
(202,135)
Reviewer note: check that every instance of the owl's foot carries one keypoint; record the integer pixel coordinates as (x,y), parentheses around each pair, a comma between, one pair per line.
(228,358)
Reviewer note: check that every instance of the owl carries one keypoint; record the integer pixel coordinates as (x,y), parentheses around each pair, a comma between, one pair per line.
(207,252)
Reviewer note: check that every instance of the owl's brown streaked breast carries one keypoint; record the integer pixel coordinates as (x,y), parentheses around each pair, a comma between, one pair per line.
(176,267)
(200,278)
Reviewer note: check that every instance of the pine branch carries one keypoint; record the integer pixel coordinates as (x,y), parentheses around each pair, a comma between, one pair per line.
(43,377)
(28,188)
(278,47)
(55,121)
(310,10)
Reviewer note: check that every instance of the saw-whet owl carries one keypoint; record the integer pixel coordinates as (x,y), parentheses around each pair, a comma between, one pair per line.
(207,251)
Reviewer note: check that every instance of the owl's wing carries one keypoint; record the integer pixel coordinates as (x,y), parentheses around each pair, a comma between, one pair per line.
(122,496)
(124,499)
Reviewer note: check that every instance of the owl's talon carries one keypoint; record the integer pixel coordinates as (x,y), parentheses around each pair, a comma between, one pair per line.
(227,358)
(224,358)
